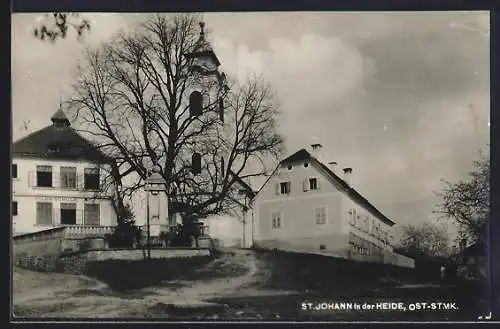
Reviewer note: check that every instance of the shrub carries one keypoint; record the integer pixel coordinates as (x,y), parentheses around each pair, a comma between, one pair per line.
(126,235)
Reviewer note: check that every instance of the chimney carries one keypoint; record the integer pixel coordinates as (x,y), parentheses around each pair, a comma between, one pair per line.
(347,175)
(333,166)
(316,151)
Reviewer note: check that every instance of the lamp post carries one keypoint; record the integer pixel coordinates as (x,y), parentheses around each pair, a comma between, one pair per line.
(154,184)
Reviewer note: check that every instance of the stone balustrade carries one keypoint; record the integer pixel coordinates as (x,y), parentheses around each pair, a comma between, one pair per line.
(87,230)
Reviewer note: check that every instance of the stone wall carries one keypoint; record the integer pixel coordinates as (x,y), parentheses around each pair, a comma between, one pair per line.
(47,242)
(387,257)
(67,250)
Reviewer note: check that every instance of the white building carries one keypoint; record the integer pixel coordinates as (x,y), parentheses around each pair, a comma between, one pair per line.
(306,207)
(59,178)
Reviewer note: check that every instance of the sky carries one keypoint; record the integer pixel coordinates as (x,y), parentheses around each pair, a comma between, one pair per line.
(402,98)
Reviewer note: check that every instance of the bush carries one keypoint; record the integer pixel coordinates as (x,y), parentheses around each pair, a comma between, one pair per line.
(126,235)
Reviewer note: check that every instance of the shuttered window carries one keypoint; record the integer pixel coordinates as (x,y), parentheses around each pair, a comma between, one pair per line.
(68,177)
(44,213)
(92,214)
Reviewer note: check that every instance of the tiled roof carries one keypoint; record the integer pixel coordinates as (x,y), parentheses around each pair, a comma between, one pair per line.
(58,141)
(302,155)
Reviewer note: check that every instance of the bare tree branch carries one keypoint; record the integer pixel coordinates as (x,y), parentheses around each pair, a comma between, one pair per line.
(132,98)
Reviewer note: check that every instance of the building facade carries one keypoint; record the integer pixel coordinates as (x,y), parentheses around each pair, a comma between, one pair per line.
(59,178)
(306,207)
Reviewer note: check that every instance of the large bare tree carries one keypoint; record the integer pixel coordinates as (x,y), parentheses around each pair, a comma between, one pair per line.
(132,98)
(467,202)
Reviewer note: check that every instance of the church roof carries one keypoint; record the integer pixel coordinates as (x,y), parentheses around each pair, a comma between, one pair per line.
(58,141)
(203,47)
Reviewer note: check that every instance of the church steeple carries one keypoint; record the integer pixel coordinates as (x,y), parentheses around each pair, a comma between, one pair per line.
(59,119)
(203,53)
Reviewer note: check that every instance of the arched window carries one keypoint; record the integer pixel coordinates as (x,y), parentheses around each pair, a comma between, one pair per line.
(196,163)
(195,103)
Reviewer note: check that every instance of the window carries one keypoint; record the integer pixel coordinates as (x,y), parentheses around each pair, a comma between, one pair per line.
(68,177)
(14,170)
(44,213)
(91,178)
(44,176)
(92,214)
(313,183)
(196,163)
(276,218)
(290,167)
(195,104)
(306,164)
(68,213)
(14,208)
(320,215)
(285,187)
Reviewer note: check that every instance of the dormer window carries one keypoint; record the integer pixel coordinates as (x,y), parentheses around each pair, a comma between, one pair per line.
(306,164)
(55,147)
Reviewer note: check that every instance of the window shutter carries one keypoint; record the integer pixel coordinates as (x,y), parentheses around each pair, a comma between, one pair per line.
(277,188)
(289,190)
(305,183)
(318,183)
(31,179)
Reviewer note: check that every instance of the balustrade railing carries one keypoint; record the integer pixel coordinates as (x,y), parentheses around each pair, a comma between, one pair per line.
(88,230)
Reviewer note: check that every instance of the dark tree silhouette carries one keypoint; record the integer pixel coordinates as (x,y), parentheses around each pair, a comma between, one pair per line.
(467,203)
(58,24)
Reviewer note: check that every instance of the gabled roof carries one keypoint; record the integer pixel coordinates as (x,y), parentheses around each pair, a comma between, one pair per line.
(58,141)
(303,155)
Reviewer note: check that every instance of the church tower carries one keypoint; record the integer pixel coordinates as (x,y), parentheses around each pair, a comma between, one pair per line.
(207,95)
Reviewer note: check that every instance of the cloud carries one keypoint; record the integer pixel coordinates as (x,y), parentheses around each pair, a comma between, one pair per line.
(310,75)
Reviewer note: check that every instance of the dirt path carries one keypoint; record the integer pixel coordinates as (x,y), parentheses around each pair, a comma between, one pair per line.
(60,295)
